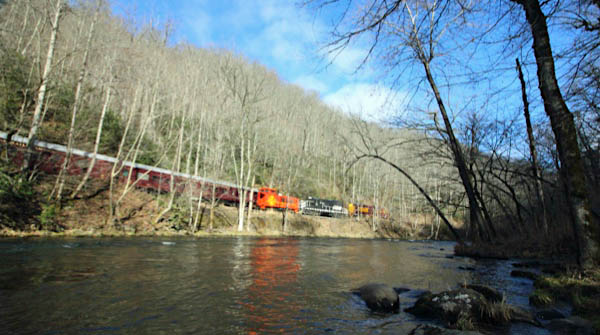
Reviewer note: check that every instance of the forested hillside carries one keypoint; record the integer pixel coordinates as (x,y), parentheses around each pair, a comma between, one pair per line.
(206,112)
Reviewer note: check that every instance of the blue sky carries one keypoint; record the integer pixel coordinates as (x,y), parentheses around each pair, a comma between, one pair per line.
(279,35)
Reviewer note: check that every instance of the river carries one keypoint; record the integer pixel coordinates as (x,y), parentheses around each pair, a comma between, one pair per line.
(226,285)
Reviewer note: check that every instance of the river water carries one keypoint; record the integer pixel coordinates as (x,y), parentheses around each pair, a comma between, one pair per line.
(226,285)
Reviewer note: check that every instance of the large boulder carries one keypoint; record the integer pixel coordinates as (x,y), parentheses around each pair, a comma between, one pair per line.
(466,308)
(380,298)
(457,308)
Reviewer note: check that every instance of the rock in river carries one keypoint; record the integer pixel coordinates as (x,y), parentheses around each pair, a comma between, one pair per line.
(452,307)
(571,325)
(380,298)
(491,294)
(466,308)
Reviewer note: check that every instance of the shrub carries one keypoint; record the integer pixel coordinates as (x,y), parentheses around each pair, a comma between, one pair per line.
(48,216)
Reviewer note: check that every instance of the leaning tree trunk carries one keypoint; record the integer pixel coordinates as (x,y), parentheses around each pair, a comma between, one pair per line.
(587,233)
(96,143)
(424,193)
(475,215)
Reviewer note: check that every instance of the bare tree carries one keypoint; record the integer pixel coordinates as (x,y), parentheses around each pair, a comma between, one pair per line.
(417,27)
(535,169)
(246,90)
(371,148)
(565,132)
(60,180)
(39,103)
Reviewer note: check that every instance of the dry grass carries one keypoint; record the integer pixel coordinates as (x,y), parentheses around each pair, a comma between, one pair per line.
(582,290)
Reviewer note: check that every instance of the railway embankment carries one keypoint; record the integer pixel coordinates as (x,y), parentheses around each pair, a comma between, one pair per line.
(26,211)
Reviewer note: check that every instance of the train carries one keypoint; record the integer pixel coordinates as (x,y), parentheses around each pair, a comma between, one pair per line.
(50,158)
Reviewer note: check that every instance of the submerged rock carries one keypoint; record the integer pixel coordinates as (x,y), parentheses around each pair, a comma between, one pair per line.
(571,325)
(531,264)
(523,274)
(380,298)
(549,314)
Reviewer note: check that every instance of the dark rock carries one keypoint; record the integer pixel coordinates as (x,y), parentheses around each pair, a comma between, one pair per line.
(401,290)
(523,274)
(517,314)
(466,268)
(433,330)
(532,264)
(415,294)
(549,314)
(467,308)
(571,326)
(449,306)
(491,294)
(380,298)
(553,269)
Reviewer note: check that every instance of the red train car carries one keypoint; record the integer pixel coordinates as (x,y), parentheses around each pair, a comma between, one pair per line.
(50,158)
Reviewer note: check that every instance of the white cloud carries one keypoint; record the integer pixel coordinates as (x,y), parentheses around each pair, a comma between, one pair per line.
(371,102)
(348,59)
(311,83)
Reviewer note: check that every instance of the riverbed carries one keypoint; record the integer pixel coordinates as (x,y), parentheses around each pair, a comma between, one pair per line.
(233,285)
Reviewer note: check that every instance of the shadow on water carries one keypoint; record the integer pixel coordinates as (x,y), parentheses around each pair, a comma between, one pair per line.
(226,285)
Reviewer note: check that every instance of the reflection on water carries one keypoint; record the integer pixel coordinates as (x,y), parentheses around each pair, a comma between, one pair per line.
(221,285)
(274,275)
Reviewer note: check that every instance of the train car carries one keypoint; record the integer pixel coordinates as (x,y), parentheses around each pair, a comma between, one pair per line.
(366,210)
(49,158)
(360,210)
(323,207)
(269,198)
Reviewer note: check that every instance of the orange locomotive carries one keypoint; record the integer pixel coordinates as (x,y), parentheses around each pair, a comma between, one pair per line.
(269,198)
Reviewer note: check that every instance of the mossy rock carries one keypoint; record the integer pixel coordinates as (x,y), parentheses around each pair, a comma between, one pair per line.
(491,294)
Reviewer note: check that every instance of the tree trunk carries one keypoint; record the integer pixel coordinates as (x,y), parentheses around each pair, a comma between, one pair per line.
(535,168)
(39,103)
(60,181)
(424,193)
(250,205)
(96,144)
(587,233)
(474,210)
